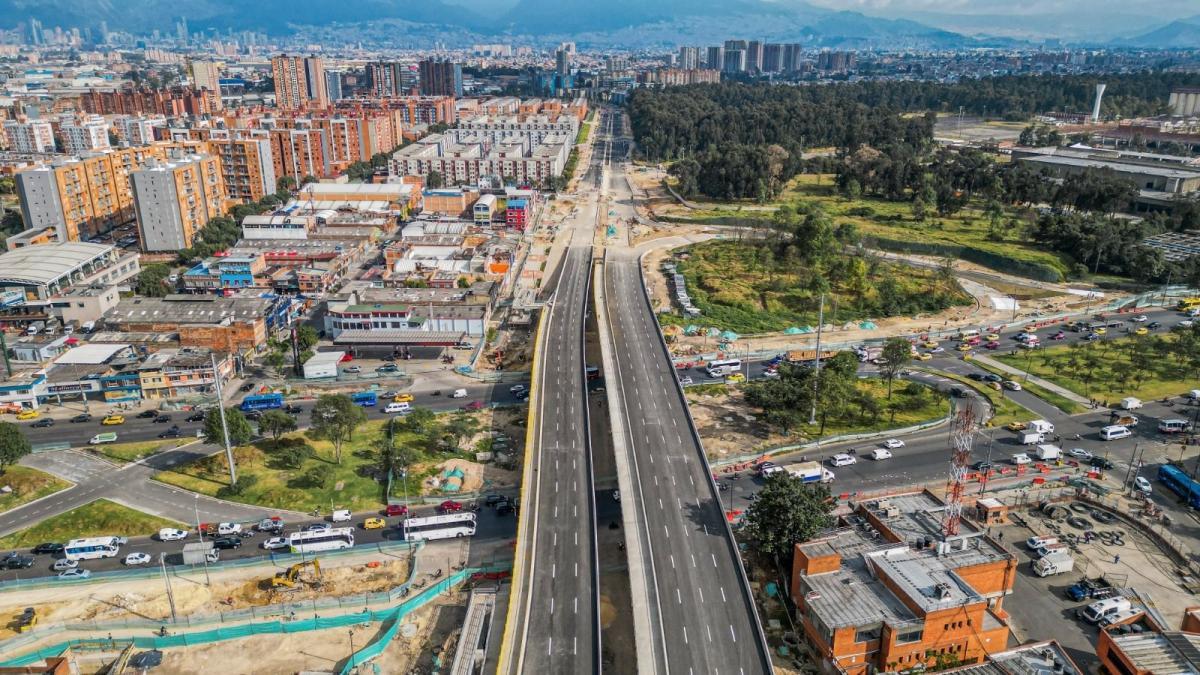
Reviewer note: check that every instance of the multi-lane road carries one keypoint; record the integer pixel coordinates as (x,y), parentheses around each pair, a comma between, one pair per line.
(702,618)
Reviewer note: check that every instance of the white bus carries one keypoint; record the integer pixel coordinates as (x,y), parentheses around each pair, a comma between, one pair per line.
(439,527)
(723,368)
(321,540)
(92,548)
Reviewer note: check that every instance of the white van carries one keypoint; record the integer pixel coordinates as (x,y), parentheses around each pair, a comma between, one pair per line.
(1021,458)
(341,516)
(1101,609)
(1115,432)
(398,408)
(1120,617)
(459,393)
(1034,543)
(1046,549)
(229,528)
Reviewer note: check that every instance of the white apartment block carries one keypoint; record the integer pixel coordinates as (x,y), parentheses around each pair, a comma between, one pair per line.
(136,131)
(84,134)
(33,136)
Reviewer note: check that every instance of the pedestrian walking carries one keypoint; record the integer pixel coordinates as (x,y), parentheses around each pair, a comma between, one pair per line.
(1116,558)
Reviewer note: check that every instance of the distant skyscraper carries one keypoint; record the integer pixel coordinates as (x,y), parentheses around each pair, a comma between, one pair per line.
(790,62)
(441,78)
(562,58)
(772,60)
(715,60)
(181,29)
(754,56)
(299,82)
(385,78)
(735,61)
(207,75)
(689,58)
(35,32)
(104,32)
(333,85)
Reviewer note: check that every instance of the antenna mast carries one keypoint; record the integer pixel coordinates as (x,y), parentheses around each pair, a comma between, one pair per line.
(962,429)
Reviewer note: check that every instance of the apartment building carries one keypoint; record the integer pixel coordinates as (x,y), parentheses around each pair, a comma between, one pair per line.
(414,110)
(888,591)
(465,157)
(173,200)
(299,152)
(440,78)
(385,78)
(88,133)
(299,82)
(135,130)
(172,102)
(32,136)
(247,165)
(206,75)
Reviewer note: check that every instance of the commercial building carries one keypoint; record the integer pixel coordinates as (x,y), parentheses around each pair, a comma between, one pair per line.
(440,78)
(226,272)
(1159,178)
(174,200)
(178,373)
(455,202)
(484,209)
(226,324)
(395,197)
(516,214)
(1140,646)
(402,323)
(45,271)
(32,136)
(887,590)
(299,82)
(322,365)
(83,134)
(1184,101)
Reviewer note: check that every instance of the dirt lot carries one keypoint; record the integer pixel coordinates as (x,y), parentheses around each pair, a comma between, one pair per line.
(727,425)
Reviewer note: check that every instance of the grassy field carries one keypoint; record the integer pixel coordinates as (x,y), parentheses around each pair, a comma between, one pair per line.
(274,484)
(27,485)
(1058,401)
(886,219)
(1112,380)
(100,517)
(734,290)
(1005,409)
(912,406)
(132,452)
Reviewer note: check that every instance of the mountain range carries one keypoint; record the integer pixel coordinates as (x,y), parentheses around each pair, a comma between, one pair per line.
(634,23)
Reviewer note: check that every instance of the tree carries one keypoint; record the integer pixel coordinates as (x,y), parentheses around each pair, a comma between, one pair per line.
(308,178)
(461,425)
(897,352)
(240,431)
(285,183)
(293,454)
(13,445)
(276,423)
(787,511)
(307,337)
(393,458)
(335,417)
(433,180)
(276,359)
(152,279)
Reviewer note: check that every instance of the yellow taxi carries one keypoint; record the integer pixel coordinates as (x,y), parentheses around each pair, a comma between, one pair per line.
(374,524)
(1142,331)
(1015,426)
(113,419)
(28,415)
(403,398)
(993,336)
(930,344)
(735,377)
(964,347)
(922,357)
(1100,331)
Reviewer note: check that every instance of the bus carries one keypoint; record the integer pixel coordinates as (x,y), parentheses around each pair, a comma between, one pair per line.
(366,399)
(321,540)
(262,402)
(1186,304)
(92,548)
(723,368)
(439,527)
(1181,484)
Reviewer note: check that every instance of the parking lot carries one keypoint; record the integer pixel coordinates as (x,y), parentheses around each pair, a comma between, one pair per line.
(1040,606)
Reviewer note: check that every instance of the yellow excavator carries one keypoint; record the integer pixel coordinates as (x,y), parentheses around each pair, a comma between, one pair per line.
(291,577)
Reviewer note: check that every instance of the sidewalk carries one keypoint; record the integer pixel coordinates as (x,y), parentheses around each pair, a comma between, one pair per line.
(1045,384)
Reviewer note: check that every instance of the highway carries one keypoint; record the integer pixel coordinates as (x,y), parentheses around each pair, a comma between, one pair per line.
(556,623)
(702,618)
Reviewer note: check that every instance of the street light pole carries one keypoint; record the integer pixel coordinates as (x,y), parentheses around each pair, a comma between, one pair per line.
(224,425)
(162,564)
(812,418)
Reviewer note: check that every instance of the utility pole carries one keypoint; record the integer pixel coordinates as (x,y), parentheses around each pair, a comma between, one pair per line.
(162,564)
(224,425)
(4,350)
(812,418)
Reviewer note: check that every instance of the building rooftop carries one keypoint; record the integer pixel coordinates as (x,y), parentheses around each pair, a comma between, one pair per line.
(399,337)
(1117,165)
(91,354)
(1036,658)
(188,309)
(1171,653)
(44,263)
(322,358)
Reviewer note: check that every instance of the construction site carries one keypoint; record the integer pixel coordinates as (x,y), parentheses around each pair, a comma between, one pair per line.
(394,609)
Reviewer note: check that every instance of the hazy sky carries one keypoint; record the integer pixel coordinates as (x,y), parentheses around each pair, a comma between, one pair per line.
(1162,9)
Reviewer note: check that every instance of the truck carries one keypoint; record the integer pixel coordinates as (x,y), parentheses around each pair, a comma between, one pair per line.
(1122,419)
(106,437)
(810,472)
(1091,589)
(808,355)
(200,552)
(866,354)
(1040,426)
(1048,452)
(1055,563)
(1032,437)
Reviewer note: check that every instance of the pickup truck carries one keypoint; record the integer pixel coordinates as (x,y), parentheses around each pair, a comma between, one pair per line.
(1090,589)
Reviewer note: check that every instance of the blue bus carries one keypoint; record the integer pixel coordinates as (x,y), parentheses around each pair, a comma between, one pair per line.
(1181,484)
(366,399)
(262,402)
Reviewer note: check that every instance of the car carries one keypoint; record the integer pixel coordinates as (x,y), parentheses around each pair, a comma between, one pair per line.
(195,417)
(43,423)
(735,377)
(1186,323)
(1140,318)
(1031,344)
(992,377)
(492,500)
(48,548)
(1142,330)
(402,398)
(522,395)
(138,558)
(1060,335)
(395,510)
(981,466)
(229,528)
(893,443)
(685,381)
(1153,324)
(616,495)
(473,405)
(275,543)
(292,409)
(1081,454)
(253,415)
(842,459)
(964,347)
(993,336)
(227,542)
(1012,385)
(147,414)
(28,415)
(929,344)
(162,419)
(978,377)
(81,417)
(318,527)
(1016,426)
(75,573)
(1142,485)
(992,345)
(517,388)
(879,454)
(112,420)
(389,368)
(1021,458)
(16,561)
(1101,463)
(919,357)
(450,506)
(171,534)
(389,394)
(1091,337)
(504,508)
(346,358)
(1100,331)
(173,432)
(247,386)
(937,350)
(62,565)
(374,524)
(352,369)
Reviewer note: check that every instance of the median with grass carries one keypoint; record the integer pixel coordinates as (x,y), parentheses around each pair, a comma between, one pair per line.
(125,453)
(1004,409)
(99,518)
(21,485)
(1059,401)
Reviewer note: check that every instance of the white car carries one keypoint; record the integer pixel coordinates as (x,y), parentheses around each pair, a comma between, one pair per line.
(1186,323)
(62,565)
(1142,485)
(516,389)
(275,543)
(1140,318)
(1081,454)
(138,558)
(842,460)
(1012,385)
(880,454)
(893,443)
(937,350)
(171,534)
(685,381)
